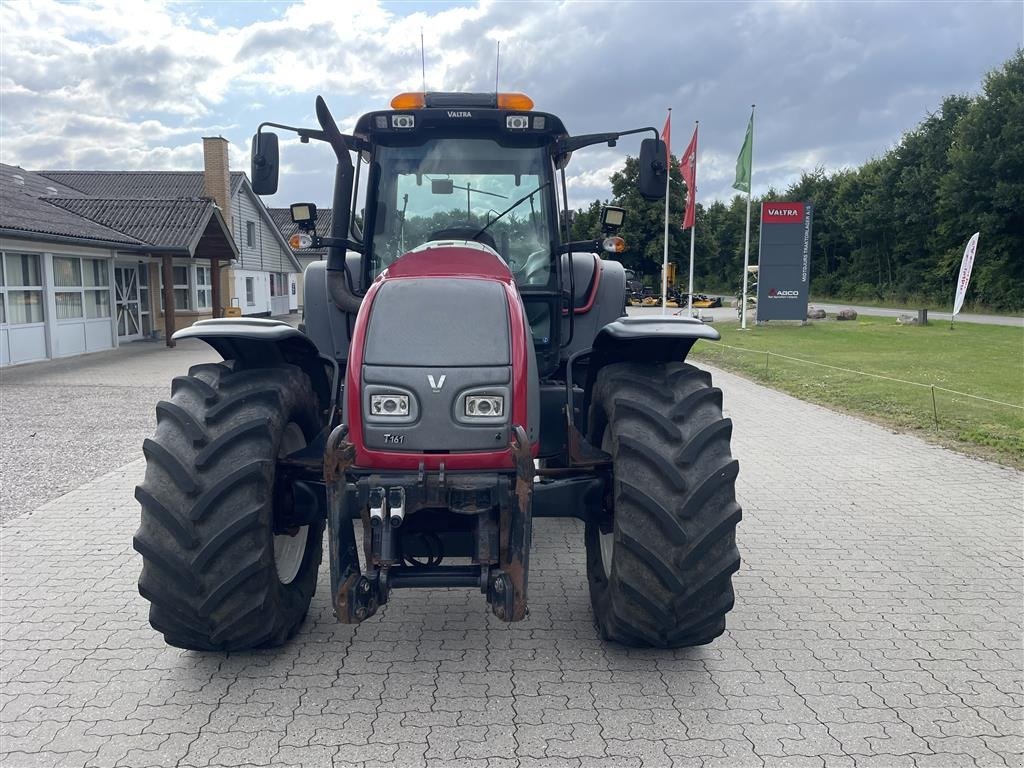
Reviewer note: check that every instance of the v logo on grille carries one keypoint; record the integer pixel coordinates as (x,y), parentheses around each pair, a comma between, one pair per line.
(436,384)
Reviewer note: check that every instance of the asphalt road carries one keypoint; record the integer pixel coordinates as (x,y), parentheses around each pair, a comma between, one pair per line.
(879,621)
(729,313)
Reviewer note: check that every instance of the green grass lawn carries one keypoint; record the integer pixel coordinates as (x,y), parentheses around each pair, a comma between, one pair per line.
(982,360)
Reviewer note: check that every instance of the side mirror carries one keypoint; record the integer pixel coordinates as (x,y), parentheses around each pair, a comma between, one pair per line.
(265,163)
(653,169)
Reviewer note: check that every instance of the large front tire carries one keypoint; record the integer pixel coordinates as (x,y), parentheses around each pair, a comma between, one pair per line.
(660,563)
(215,574)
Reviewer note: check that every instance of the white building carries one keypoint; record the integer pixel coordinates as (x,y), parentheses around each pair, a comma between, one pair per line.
(83,255)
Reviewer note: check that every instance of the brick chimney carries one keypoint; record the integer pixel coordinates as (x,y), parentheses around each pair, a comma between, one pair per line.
(216,179)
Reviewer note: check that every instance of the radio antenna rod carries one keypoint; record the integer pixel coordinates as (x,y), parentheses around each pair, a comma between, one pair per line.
(423,60)
(497,62)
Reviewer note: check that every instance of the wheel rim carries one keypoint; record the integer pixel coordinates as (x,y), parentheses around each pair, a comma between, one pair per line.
(289,549)
(606,541)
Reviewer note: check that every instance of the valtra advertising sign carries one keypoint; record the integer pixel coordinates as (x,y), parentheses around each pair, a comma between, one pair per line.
(784,261)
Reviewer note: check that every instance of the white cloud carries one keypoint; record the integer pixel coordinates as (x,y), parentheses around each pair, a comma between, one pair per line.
(133,84)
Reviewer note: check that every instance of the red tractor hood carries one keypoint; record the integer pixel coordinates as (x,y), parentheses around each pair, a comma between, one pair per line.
(438,309)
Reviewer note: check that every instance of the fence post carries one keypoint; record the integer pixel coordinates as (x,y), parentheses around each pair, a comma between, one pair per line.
(935,409)
(766,353)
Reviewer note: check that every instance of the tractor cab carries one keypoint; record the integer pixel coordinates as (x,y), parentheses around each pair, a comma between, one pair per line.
(470,167)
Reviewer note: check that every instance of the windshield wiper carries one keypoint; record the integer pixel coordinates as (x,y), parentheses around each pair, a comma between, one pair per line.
(512,207)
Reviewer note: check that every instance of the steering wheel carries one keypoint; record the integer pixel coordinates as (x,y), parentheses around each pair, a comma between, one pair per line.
(464,231)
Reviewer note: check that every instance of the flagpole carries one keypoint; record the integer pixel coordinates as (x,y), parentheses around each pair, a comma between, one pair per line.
(693,226)
(746,244)
(664,261)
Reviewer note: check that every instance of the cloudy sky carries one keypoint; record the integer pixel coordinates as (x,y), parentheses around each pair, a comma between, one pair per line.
(135,85)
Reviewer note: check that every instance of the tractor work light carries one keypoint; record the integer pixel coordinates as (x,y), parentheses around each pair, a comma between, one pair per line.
(517,122)
(485,406)
(389,405)
(303,213)
(403,121)
(612,217)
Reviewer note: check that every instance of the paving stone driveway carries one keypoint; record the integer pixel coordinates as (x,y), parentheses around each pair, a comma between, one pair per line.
(878,623)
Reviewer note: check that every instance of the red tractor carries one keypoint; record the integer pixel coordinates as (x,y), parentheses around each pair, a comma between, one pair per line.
(463,368)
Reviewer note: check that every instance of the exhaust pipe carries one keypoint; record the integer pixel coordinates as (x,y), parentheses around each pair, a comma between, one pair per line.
(340,293)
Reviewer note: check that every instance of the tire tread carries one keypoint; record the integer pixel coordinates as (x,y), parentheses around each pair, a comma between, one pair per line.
(675,506)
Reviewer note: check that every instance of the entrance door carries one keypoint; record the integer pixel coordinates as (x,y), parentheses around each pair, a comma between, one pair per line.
(126,290)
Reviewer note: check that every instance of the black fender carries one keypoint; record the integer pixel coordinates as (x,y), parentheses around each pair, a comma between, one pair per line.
(642,339)
(259,342)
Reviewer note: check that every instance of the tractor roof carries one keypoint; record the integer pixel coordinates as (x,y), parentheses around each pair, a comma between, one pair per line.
(506,117)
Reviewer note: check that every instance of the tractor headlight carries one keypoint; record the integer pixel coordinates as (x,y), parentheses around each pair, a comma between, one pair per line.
(389,405)
(485,406)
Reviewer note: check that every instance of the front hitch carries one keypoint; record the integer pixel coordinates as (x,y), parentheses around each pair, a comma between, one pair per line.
(354,596)
(516,532)
(379,501)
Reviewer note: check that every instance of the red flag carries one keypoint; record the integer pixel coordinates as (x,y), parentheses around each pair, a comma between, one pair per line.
(666,134)
(688,167)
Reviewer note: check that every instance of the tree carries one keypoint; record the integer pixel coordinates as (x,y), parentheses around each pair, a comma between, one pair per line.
(983,190)
(893,229)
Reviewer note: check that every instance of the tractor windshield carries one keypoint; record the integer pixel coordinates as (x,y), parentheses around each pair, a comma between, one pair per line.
(449,189)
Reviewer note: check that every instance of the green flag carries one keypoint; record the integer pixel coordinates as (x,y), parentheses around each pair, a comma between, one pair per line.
(744,161)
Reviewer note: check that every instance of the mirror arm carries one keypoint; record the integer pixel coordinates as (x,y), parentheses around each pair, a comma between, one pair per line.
(583,246)
(570,144)
(336,242)
(305,134)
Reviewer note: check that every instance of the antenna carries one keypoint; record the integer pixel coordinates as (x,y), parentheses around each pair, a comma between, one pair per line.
(423,61)
(497,62)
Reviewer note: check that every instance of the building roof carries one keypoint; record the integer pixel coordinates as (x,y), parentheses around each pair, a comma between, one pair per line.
(23,210)
(142,211)
(164,224)
(123,185)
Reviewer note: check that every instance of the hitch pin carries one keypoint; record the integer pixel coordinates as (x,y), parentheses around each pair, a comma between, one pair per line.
(396,505)
(376,506)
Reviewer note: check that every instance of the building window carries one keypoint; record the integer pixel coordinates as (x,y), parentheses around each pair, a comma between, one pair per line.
(250,233)
(181,288)
(97,288)
(278,284)
(67,273)
(83,288)
(147,320)
(203,287)
(21,288)
(250,292)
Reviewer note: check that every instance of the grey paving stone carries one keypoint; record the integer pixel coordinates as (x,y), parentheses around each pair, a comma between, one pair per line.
(878,622)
